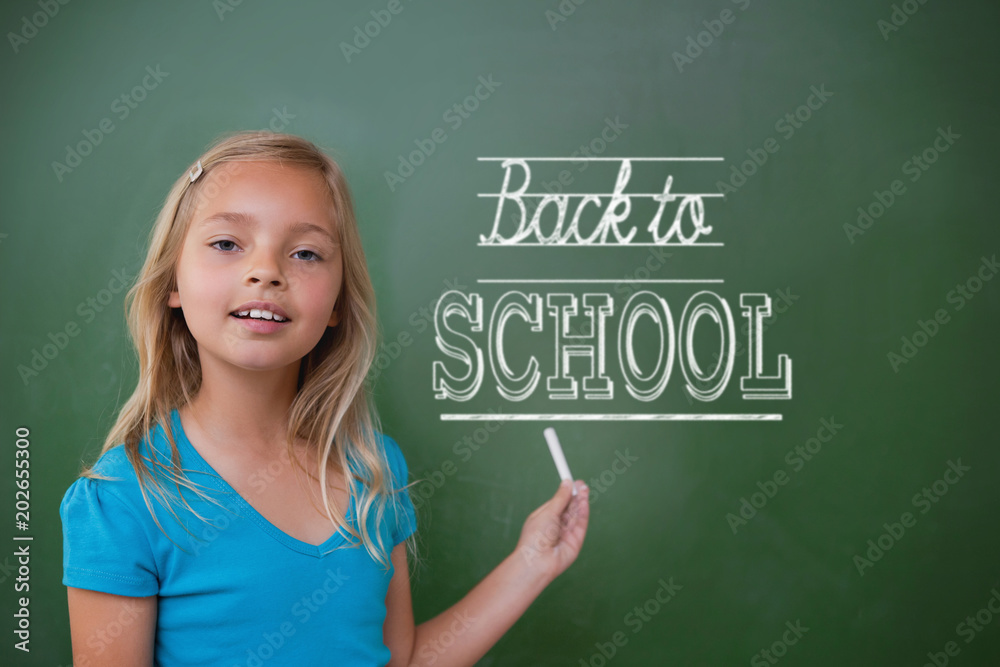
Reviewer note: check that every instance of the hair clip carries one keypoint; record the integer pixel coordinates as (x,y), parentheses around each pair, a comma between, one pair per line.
(195,174)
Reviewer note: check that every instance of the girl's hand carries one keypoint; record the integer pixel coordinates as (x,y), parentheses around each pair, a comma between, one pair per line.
(553,533)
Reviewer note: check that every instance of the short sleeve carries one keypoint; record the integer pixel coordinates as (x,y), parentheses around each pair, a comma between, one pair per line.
(105,547)
(406,515)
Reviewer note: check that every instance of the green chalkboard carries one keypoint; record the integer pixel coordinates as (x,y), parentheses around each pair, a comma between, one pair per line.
(836,508)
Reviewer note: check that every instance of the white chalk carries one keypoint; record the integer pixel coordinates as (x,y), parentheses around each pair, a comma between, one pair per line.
(557,455)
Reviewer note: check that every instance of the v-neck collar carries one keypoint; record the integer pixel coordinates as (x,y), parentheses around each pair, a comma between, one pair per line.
(197,462)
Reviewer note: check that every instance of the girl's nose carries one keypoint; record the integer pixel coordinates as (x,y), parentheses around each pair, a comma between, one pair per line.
(264,268)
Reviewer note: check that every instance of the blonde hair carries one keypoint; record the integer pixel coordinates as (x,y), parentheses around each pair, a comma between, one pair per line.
(332,410)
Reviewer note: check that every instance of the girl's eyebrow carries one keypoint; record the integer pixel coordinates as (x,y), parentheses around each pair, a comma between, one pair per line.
(247,220)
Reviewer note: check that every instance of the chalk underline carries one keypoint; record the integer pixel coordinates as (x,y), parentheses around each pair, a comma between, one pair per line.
(600,245)
(671,195)
(598,280)
(610,417)
(607,159)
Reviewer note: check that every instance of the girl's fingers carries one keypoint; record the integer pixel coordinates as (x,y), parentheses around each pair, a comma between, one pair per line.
(557,502)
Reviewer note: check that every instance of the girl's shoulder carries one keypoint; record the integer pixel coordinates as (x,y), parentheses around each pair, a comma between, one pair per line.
(390,446)
(118,482)
(114,463)
(113,493)
(394,456)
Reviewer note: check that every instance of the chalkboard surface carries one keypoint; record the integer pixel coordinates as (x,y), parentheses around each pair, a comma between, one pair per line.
(831,500)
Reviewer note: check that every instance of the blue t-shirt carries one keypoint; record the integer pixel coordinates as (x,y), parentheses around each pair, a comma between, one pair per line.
(246,593)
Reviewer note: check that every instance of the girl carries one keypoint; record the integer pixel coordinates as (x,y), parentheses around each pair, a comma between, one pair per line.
(246,506)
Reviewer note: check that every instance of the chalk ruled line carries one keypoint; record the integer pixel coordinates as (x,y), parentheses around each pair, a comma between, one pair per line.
(669,195)
(598,280)
(604,159)
(609,417)
(600,245)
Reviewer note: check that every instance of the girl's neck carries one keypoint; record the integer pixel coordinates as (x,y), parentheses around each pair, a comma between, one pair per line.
(245,413)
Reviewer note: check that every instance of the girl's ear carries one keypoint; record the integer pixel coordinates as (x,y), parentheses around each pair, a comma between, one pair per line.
(334,319)
(174,300)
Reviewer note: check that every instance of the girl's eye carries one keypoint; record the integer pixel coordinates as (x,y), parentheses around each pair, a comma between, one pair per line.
(226,245)
(224,241)
(314,257)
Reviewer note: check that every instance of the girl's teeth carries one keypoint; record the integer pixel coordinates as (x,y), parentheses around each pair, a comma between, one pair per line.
(259,314)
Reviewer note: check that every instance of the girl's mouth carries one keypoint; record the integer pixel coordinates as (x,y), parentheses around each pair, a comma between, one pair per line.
(258,314)
(261,324)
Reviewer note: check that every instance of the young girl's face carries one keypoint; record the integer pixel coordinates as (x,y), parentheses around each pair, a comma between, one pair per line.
(264,240)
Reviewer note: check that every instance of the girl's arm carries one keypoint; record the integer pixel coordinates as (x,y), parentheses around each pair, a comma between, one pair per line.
(549,543)
(111,630)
